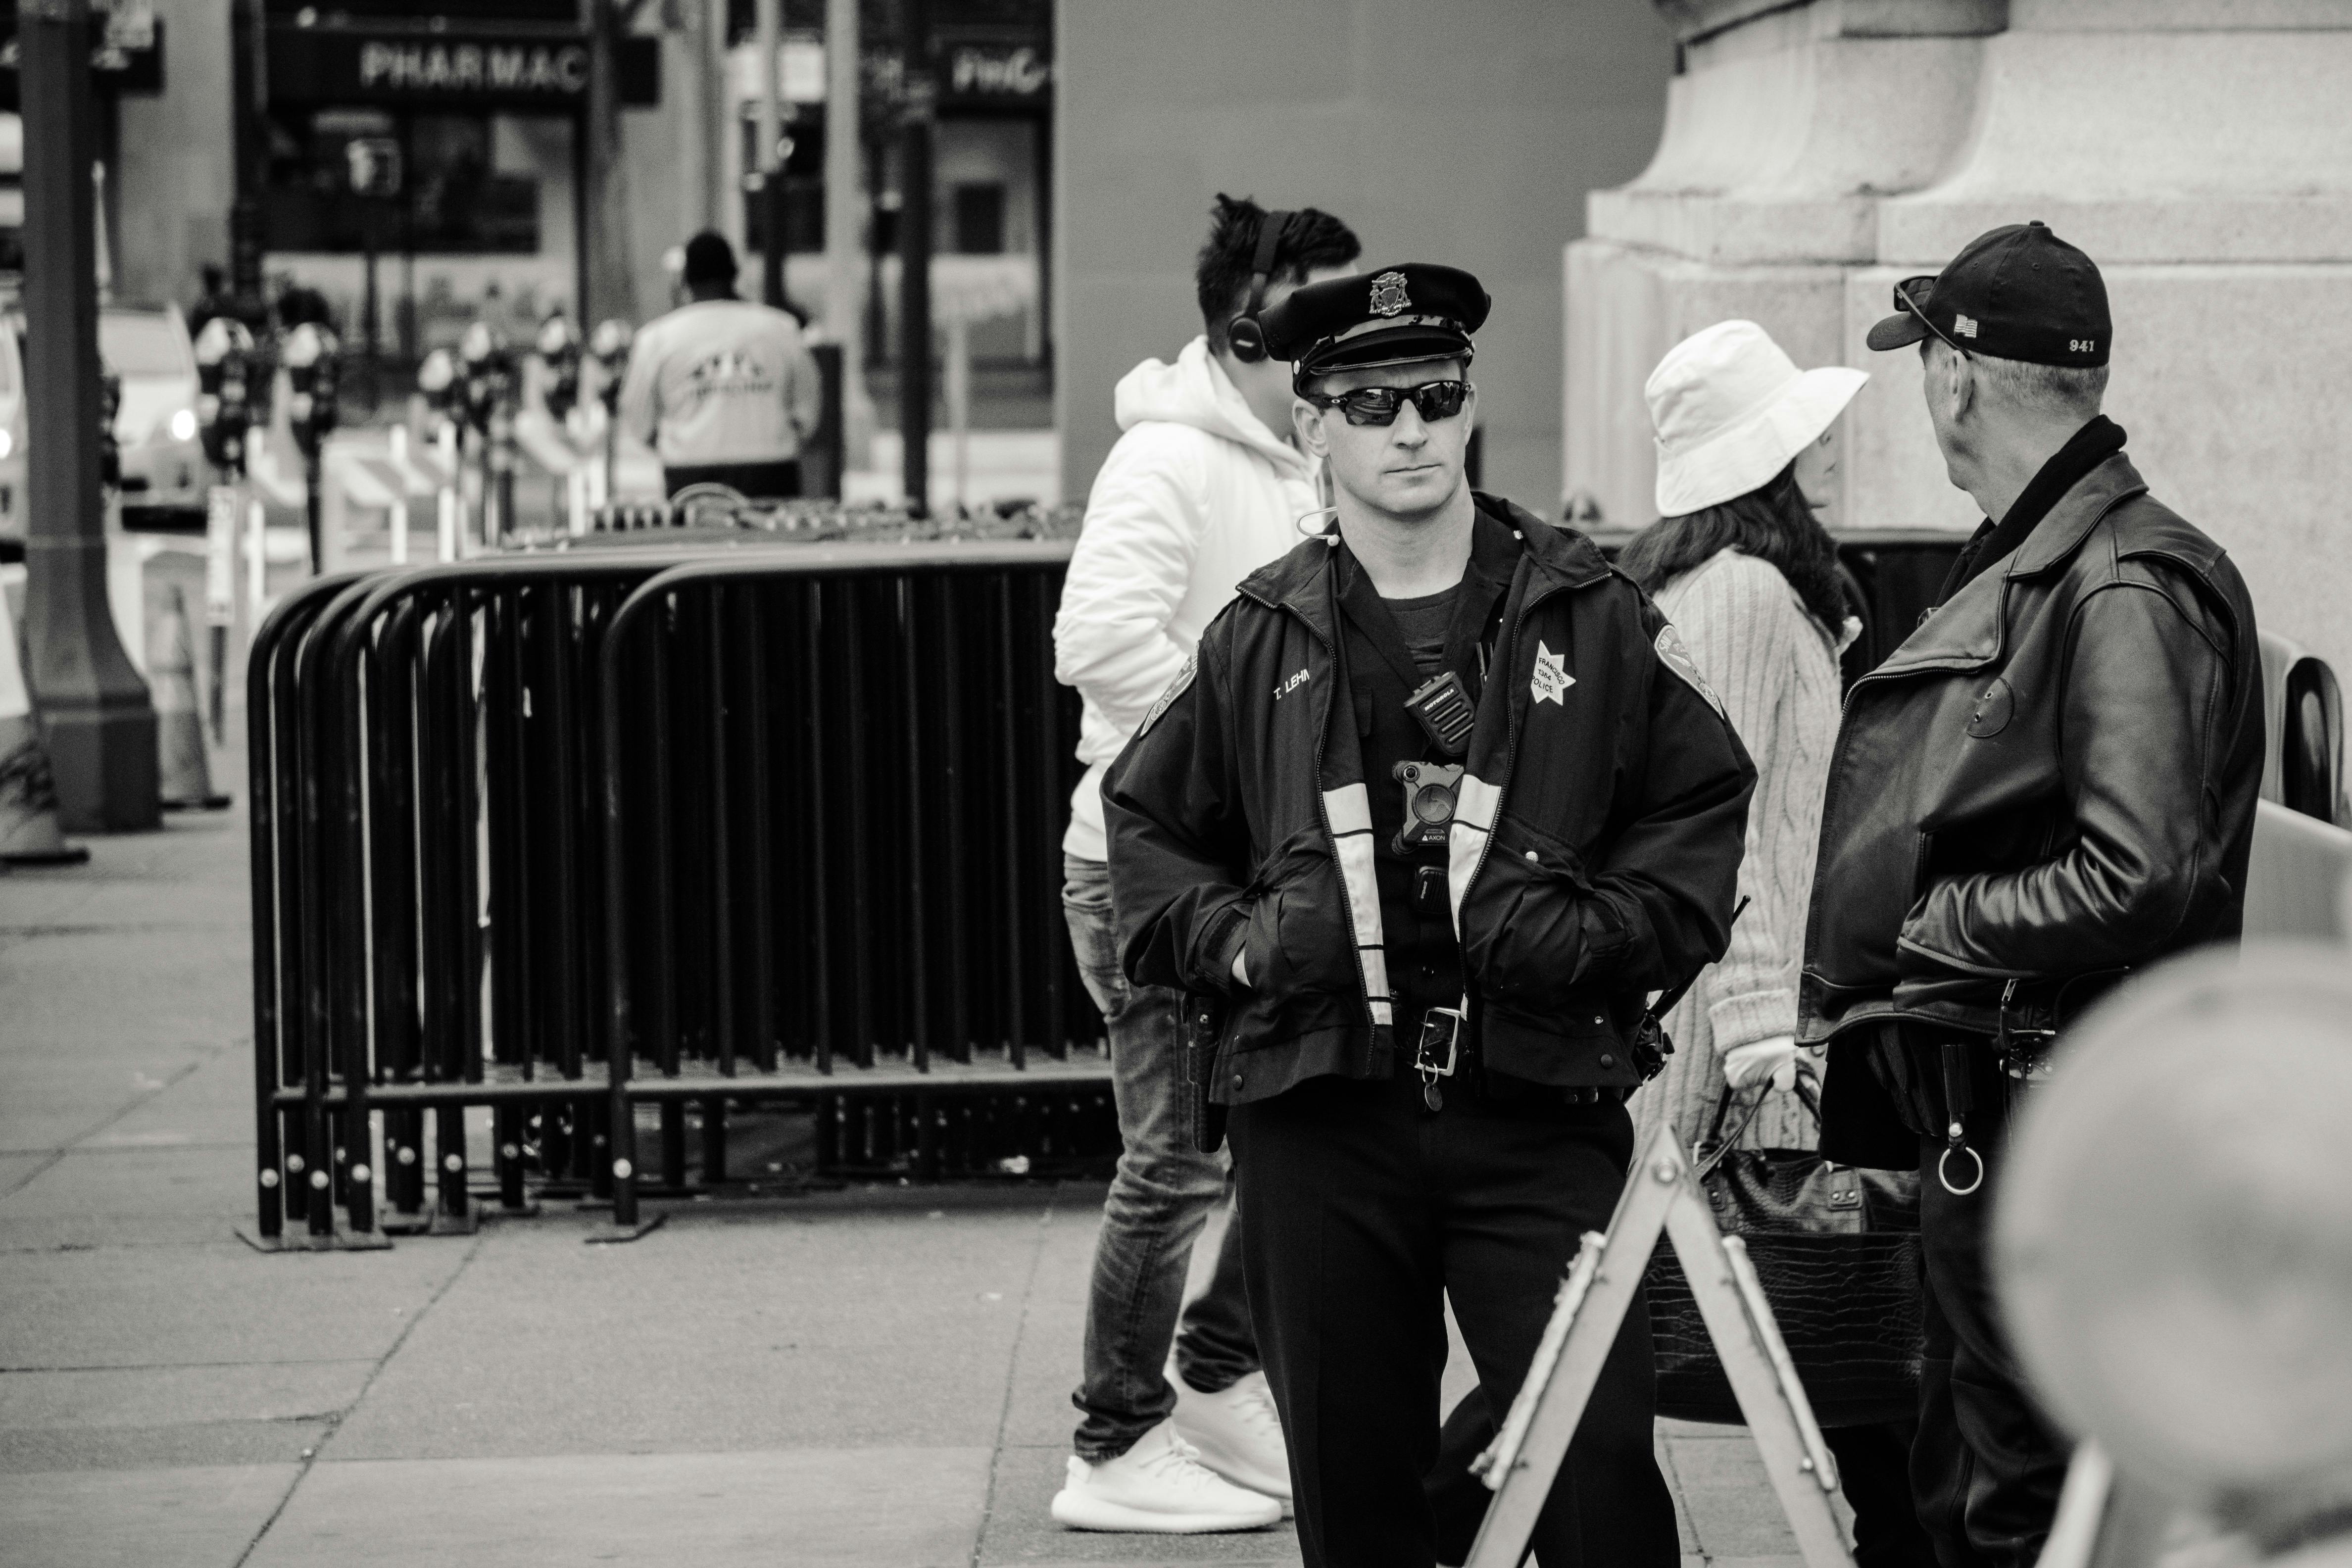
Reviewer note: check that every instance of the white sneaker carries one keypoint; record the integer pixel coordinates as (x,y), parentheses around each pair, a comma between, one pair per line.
(1157,1486)
(1238,1432)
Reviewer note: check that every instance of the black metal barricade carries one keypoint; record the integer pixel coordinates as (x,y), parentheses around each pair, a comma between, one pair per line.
(678,825)
(832,804)
(841,772)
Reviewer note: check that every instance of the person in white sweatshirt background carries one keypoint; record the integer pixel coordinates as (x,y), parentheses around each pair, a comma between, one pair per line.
(1203,487)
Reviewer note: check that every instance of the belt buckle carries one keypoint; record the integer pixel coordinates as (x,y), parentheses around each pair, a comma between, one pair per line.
(1439,1023)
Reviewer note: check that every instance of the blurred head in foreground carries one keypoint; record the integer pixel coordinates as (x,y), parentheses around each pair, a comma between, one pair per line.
(2175,1239)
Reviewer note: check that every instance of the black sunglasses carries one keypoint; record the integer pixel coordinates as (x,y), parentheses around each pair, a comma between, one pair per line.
(1433,400)
(1911,295)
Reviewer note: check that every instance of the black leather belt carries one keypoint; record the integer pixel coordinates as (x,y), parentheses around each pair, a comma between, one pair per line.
(1598,1094)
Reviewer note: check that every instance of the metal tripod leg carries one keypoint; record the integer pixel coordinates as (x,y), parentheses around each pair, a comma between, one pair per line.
(1660,1197)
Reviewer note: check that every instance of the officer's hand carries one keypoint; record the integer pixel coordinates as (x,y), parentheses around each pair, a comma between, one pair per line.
(1241,974)
(1774,1059)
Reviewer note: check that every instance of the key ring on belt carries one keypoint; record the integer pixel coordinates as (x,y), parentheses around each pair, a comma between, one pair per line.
(1956,1145)
(1958,1102)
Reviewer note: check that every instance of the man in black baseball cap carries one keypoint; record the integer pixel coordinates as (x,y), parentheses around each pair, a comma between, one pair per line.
(1438,805)
(2052,784)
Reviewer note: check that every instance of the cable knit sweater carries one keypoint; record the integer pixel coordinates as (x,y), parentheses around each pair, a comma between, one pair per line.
(1775,667)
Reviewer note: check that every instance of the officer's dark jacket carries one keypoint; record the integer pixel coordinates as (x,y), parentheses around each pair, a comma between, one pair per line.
(1593,857)
(2053,779)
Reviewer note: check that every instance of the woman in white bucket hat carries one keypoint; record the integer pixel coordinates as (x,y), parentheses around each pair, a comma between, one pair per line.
(1749,574)
(1741,562)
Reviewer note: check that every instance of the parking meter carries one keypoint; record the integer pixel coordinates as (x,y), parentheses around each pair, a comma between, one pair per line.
(310,359)
(225,391)
(310,408)
(558,350)
(489,367)
(436,381)
(490,392)
(225,371)
(608,346)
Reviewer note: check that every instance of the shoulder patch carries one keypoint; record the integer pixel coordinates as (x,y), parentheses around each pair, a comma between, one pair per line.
(1675,656)
(1175,690)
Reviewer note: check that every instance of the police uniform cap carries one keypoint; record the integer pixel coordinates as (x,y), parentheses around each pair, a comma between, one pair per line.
(1388,315)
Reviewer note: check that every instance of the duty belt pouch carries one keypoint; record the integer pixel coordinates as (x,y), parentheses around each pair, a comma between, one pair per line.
(1196,1066)
(2031,1018)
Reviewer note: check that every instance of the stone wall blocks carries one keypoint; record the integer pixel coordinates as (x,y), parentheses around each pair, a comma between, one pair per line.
(1923,232)
(2170,16)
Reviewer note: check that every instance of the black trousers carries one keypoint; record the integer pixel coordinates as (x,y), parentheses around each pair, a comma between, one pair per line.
(1365,1212)
(1986,1468)
(756,482)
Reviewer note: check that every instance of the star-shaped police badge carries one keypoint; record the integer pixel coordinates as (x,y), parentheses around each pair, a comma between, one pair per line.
(1551,677)
(1388,295)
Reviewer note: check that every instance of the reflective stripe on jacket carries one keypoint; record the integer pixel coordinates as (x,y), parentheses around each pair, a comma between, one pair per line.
(1593,857)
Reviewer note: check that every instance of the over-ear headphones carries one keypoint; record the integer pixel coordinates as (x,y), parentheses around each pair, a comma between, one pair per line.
(1246,335)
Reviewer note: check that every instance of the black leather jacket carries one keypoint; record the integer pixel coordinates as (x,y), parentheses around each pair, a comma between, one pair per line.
(1593,857)
(2051,782)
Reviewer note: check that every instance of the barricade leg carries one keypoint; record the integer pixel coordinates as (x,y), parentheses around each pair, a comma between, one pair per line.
(453,1214)
(359,1171)
(556,1167)
(599,1148)
(620,1114)
(672,1144)
(404,1171)
(293,1140)
(269,1222)
(927,1137)
(505,1128)
(714,1140)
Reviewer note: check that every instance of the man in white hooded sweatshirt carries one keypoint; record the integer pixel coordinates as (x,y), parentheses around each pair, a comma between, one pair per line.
(1202,488)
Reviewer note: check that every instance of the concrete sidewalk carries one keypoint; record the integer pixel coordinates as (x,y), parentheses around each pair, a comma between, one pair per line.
(873,1377)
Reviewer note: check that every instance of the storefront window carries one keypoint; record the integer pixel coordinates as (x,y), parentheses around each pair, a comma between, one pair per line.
(979,219)
(455,197)
(803,188)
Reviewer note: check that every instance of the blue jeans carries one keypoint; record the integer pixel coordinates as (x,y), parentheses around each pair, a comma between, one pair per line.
(1158,1200)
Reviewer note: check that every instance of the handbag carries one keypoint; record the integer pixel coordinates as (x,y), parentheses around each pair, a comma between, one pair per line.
(1837,1251)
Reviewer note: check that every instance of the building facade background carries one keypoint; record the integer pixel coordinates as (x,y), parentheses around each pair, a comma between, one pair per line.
(2200,151)
(1465,133)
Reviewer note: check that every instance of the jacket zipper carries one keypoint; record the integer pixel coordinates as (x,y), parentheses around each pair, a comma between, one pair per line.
(1830,800)
(1323,816)
(1510,762)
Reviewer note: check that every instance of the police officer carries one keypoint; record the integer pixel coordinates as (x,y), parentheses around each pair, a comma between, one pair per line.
(1438,800)
(2050,785)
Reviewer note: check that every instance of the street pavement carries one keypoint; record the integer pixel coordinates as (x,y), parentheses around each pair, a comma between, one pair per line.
(875,1377)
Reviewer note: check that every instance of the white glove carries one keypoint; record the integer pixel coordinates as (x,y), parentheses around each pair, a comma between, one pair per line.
(1240,973)
(1775,1059)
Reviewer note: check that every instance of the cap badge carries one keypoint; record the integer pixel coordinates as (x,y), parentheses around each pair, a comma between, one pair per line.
(1389,296)
(1965,325)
